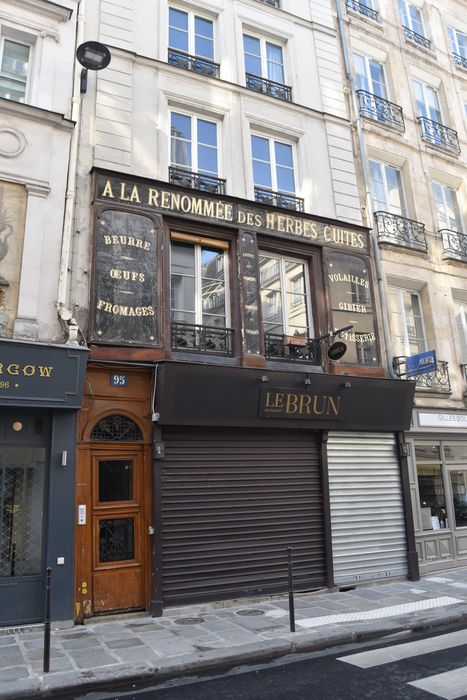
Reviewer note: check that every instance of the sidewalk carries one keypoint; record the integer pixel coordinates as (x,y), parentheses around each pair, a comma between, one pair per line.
(208,637)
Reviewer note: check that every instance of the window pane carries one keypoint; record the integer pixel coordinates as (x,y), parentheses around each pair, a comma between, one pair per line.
(285,179)
(212,263)
(271,305)
(213,298)
(204,44)
(15,60)
(283,154)
(284,167)
(183,295)
(275,63)
(461,323)
(456,452)
(395,192)
(377,79)
(432,500)
(427,452)
(178,30)
(377,186)
(252,50)
(459,496)
(261,162)
(414,326)
(115,480)
(183,259)
(181,140)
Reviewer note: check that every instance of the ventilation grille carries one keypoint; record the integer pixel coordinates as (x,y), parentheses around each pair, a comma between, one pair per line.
(118,429)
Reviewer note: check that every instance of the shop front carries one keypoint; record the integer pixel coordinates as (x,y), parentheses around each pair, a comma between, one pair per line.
(438,470)
(40,392)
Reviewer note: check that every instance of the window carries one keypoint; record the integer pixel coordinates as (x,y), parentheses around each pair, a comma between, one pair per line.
(191,34)
(447,207)
(411,17)
(407,322)
(460,309)
(386,185)
(370,76)
(430,487)
(458,41)
(272,164)
(14,69)
(198,283)
(428,104)
(193,144)
(262,58)
(284,295)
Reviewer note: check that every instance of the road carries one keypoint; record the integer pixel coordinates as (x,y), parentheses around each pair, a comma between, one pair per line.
(403,667)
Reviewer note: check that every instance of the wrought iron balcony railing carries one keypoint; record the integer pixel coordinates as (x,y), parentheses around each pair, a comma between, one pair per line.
(401,231)
(460,60)
(274,3)
(362,9)
(417,38)
(292,348)
(454,244)
(278,199)
(438,134)
(202,339)
(380,109)
(193,63)
(432,381)
(268,87)
(196,181)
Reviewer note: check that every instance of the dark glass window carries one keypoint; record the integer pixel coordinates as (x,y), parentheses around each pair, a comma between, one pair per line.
(116,539)
(115,480)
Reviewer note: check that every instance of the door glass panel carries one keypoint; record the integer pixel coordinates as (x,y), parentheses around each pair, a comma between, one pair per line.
(456,452)
(21,503)
(432,500)
(427,452)
(116,539)
(115,480)
(459,496)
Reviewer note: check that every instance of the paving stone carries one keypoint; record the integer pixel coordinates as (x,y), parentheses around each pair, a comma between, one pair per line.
(138,627)
(143,655)
(125,642)
(92,658)
(13,673)
(11,656)
(57,665)
(175,647)
(35,654)
(7,641)
(82,643)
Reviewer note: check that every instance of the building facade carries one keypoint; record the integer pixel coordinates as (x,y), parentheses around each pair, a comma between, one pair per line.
(41,376)
(237,401)
(407,69)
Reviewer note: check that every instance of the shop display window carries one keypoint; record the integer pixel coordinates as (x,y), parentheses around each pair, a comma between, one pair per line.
(432,498)
(459,496)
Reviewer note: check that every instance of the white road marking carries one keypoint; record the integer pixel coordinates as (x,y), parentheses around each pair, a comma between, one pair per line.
(396,652)
(438,579)
(449,685)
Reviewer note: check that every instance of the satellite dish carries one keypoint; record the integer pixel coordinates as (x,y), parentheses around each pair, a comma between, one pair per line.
(337,350)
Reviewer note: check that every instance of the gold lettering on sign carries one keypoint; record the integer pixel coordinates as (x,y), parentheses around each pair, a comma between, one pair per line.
(292,403)
(123,310)
(14,369)
(107,191)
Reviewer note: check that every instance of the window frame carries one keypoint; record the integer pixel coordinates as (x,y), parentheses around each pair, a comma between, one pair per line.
(424,88)
(410,23)
(421,342)
(192,15)
(4,36)
(283,258)
(444,188)
(453,34)
(194,144)
(273,164)
(198,243)
(460,311)
(403,200)
(263,42)
(368,77)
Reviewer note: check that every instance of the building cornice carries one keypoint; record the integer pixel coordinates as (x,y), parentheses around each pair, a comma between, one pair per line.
(36,114)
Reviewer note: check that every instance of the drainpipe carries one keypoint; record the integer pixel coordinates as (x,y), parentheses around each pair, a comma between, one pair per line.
(64,313)
(368,197)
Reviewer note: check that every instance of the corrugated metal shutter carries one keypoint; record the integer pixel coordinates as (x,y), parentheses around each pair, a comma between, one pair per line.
(232,502)
(368,528)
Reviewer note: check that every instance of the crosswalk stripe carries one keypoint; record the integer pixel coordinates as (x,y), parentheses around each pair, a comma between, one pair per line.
(396,652)
(449,685)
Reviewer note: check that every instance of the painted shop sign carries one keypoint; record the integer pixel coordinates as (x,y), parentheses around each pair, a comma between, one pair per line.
(288,403)
(452,421)
(125,278)
(164,200)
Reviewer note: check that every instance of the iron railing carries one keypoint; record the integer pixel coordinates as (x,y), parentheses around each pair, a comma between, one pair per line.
(202,339)
(196,181)
(382,110)
(400,231)
(362,9)
(459,60)
(300,349)
(268,87)
(278,199)
(432,381)
(454,244)
(274,3)
(439,134)
(417,38)
(193,63)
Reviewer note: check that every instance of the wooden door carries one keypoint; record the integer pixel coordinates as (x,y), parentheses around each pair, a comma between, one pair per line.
(119,529)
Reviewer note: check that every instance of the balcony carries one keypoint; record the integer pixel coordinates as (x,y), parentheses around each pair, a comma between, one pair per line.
(193,63)
(439,134)
(460,60)
(454,245)
(380,109)
(292,348)
(400,231)
(437,381)
(279,199)
(361,8)
(196,181)
(268,87)
(204,340)
(416,38)
(273,3)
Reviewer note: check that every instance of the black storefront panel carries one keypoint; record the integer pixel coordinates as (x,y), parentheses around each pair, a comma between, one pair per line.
(232,501)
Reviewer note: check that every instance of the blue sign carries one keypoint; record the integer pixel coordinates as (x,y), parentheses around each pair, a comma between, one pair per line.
(119,380)
(422,363)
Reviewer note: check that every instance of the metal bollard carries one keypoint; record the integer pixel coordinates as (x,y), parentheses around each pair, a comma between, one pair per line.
(47,621)
(291,600)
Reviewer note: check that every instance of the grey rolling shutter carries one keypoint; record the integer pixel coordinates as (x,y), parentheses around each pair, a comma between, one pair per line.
(367,518)
(232,502)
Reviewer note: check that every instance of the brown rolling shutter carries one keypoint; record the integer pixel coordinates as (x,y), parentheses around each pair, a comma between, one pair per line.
(232,502)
